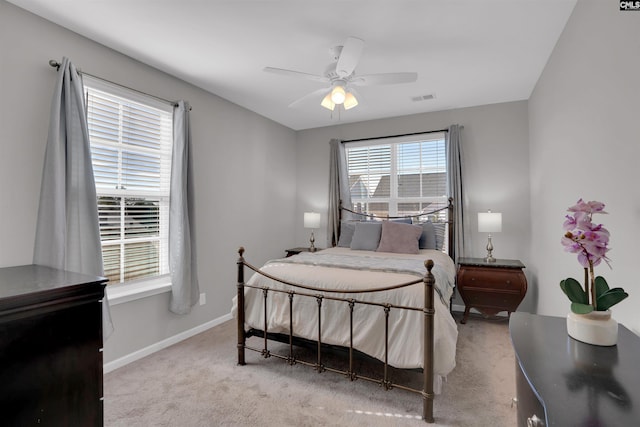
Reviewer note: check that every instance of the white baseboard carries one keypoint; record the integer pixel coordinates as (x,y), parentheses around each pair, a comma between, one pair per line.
(136,355)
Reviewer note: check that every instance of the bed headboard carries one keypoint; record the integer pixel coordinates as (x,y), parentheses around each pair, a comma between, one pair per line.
(433,216)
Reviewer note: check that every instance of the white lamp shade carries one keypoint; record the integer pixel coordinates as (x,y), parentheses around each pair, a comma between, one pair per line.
(311,220)
(489,222)
(350,101)
(327,102)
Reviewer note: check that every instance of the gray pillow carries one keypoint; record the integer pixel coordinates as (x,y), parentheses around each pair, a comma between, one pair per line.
(399,238)
(346,234)
(440,229)
(428,236)
(366,236)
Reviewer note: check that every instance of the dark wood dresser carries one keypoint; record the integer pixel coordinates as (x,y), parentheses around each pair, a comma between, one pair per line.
(50,347)
(564,382)
(491,287)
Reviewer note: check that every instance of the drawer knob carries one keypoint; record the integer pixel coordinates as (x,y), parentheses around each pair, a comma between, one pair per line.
(508,282)
(534,421)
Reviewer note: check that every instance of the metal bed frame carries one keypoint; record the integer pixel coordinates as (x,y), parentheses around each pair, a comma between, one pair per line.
(322,294)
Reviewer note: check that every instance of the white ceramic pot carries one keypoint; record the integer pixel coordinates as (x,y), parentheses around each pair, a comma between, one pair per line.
(597,328)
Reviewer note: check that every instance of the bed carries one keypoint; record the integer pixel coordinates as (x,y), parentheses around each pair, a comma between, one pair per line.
(394,307)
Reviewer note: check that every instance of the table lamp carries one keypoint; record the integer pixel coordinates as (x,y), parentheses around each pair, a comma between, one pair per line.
(489,222)
(312,221)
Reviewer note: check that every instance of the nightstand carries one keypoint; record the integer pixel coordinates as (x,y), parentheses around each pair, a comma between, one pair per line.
(296,251)
(491,287)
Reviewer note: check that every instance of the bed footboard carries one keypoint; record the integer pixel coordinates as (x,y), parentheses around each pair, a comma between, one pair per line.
(428,311)
(241,332)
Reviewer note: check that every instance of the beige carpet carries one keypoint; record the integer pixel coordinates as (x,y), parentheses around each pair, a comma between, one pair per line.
(197,383)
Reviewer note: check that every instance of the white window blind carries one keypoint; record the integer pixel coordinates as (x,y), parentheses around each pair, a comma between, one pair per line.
(131,138)
(398,176)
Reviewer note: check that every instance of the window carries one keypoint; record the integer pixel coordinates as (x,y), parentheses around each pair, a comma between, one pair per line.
(398,176)
(130,138)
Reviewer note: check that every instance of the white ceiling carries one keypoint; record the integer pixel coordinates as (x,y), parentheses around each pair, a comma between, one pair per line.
(466,52)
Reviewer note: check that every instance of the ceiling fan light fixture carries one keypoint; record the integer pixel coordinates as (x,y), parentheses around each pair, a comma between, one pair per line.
(328,103)
(350,101)
(338,94)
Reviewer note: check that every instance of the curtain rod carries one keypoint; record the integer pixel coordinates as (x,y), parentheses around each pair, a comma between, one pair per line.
(395,136)
(56,65)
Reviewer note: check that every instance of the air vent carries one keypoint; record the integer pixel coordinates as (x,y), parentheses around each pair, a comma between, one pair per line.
(422,98)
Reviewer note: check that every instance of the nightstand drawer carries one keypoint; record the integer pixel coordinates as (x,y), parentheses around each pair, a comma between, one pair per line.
(494,302)
(487,278)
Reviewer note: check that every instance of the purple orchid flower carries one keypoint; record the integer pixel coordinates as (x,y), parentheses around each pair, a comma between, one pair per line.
(589,241)
(587,207)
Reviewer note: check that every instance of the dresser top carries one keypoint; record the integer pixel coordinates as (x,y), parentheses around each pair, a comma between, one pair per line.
(500,263)
(577,383)
(36,283)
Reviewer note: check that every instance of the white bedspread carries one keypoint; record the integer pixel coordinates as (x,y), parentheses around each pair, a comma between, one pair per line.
(405,326)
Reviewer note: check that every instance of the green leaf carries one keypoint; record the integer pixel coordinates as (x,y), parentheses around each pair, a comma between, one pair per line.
(610,298)
(574,291)
(578,308)
(601,286)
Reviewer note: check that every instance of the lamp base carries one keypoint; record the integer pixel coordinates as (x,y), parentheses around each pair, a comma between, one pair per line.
(489,257)
(312,247)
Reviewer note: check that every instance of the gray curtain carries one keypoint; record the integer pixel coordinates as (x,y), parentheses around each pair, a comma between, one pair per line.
(454,168)
(339,191)
(185,291)
(67,229)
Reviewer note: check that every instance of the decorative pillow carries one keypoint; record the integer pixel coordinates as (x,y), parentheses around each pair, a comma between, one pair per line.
(441,229)
(366,236)
(346,233)
(428,236)
(401,220)
(399,238)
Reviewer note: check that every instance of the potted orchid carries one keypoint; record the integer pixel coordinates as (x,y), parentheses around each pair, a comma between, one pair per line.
(590,242)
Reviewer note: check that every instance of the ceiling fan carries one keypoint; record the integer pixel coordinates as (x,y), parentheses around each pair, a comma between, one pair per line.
(341,78)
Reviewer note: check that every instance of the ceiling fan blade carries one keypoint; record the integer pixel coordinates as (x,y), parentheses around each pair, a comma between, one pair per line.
(349,56)
(317,94)
(297,74)
(384,79)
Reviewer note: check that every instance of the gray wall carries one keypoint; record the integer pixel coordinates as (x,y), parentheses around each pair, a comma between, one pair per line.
(244,171)
(584,142)
(496,171)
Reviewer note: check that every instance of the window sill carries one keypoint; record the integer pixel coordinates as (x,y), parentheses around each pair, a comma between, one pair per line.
(125,292)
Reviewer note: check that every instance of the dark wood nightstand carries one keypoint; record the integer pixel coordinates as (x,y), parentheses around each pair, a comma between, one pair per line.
(296,251)
(491,287)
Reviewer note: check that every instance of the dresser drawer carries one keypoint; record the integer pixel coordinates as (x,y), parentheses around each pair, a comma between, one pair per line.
(488,278)
(530,410)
